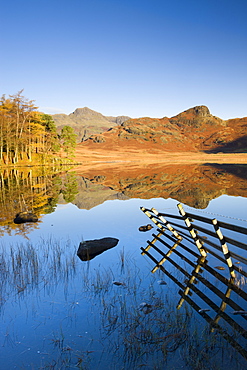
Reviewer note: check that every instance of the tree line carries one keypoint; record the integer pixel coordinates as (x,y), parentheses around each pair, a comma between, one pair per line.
(28,135)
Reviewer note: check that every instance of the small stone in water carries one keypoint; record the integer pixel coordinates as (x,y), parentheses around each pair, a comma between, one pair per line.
(161,282)
(144,304)
(220,267)
(146,307)
(117,283)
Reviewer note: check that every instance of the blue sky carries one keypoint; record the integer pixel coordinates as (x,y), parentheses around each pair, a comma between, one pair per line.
(139,58)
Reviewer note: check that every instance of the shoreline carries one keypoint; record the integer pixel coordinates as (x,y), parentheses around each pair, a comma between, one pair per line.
(86,158)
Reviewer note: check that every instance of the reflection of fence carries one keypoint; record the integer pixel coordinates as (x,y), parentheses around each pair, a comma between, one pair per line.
(197,234)
(210,297)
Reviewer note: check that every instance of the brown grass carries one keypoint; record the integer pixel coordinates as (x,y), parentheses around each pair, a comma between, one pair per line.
(89,157)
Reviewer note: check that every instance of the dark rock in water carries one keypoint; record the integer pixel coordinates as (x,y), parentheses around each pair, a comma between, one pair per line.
(23,217)
(91,248)
(145,227)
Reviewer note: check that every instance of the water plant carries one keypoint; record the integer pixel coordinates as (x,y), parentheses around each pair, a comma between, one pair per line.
(85,320)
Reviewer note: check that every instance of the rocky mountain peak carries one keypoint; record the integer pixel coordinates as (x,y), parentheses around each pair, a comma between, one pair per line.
(85,113)
(87,122)
(195,129)
(202,111)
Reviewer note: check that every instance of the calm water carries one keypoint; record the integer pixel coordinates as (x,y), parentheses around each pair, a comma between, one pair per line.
(60,312)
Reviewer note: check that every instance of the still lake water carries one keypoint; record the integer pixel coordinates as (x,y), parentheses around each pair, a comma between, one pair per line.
(60,312)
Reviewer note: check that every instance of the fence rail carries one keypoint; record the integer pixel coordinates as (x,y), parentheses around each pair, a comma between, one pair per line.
(183,244)
(198,234)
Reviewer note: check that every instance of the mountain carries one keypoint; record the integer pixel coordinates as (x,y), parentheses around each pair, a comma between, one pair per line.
(195,129)
(192,184)
(87,122)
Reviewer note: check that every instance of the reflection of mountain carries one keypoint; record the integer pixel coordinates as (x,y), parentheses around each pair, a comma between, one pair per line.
(39,191)
(92,192)
(194,185)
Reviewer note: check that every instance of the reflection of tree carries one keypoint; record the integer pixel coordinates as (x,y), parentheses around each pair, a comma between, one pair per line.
(34,190)
(53,194)
(70,187)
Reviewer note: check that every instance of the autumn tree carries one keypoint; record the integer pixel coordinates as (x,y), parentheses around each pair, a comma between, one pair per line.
(24,130)
(21,112)
(51,135)
(68,139)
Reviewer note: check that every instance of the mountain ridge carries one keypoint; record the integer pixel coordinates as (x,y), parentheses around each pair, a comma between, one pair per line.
(195,129)
(87,122)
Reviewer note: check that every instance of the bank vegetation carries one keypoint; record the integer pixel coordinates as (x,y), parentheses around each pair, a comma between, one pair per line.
(29,137)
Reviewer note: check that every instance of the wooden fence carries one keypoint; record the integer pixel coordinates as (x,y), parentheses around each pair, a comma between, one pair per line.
(197,234)
(184,239)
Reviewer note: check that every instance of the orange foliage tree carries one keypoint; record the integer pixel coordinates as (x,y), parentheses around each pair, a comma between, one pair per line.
(24,130)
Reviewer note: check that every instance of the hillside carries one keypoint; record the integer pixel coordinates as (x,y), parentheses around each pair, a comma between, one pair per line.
(87,122)
(193,130)
(193,184)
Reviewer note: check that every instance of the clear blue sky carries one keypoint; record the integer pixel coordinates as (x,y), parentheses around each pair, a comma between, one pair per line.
(139,58)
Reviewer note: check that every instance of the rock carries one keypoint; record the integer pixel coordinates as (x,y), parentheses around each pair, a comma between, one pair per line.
(23,217)
(220,267)
(118,283)
(97,138)
(145,307)
(91,248)
(161,282)
(202,111)
(145,227)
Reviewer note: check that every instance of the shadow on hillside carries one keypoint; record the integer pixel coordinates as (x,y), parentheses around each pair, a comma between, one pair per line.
(236,146)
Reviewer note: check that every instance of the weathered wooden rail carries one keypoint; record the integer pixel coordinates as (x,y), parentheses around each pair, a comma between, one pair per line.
(181,240)
(197,234)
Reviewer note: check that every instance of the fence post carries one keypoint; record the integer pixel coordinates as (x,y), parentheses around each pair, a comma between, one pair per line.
(224,247)
(222,306)
(152,218)
(193,276)
(152,242)
(169,227)
(160,263)
(192,231)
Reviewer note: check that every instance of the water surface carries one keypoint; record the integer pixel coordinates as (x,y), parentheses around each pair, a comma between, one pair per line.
(58,311)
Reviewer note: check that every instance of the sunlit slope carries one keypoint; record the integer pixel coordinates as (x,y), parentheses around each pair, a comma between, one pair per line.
(193,130)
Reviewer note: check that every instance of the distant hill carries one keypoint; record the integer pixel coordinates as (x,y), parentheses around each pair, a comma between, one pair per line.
(195,129)
(87,122)
(193,184)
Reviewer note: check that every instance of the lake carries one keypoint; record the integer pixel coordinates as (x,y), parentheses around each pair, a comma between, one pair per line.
(112,312)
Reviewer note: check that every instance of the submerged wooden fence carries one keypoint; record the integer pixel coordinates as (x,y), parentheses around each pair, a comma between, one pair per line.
(184,239)
(197,234)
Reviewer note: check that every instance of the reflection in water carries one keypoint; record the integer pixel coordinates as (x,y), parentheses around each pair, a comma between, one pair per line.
(39,190)
(27,268)
(109,310)
(117,314)
(194,185)
(32,192)
(219,300)
(25,216)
